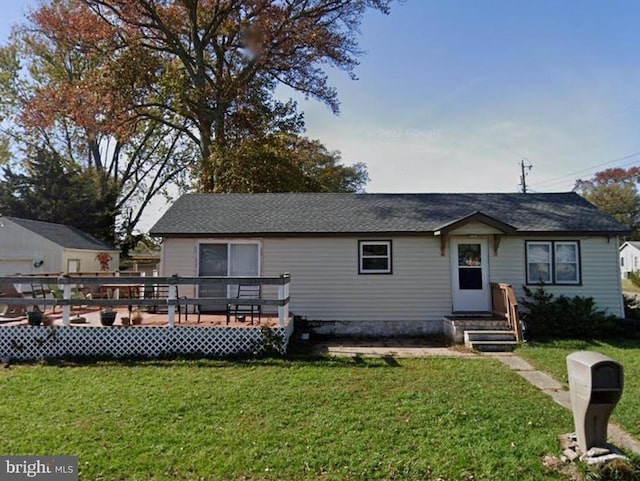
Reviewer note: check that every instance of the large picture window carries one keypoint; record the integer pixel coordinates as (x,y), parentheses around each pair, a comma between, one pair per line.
(374,257)
(553,262)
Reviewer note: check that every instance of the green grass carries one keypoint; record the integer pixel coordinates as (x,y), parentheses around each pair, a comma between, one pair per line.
(628,286)
(551,357)
(457,419)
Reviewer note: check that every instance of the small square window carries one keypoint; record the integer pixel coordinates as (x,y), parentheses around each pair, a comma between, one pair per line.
(374,257)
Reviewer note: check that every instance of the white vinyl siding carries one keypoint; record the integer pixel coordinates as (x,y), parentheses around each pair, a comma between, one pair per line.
(19,243)
(599,265)
(87,260)
(629,256)
(179,256)
(325,284)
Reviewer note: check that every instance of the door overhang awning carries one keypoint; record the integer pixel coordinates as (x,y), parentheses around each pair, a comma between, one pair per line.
(503,228)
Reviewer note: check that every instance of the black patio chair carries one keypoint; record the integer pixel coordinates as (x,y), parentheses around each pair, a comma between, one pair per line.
(243,310)
(160,292)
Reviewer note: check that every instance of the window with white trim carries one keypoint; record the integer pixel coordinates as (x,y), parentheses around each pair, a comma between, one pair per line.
(374,257)
(553,262)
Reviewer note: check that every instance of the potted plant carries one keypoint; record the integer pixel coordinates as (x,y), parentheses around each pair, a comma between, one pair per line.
(107,316)
(35,316)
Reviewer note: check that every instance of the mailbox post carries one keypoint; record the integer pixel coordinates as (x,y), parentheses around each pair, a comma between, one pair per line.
(596,383)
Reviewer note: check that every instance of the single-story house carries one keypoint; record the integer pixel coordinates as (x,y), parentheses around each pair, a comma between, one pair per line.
(397,263)
(629,258)
(36,247)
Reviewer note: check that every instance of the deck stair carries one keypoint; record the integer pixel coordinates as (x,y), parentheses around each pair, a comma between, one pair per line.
(480,333)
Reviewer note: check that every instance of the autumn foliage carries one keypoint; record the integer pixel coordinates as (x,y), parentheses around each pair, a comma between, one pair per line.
(194,64)
(615,191)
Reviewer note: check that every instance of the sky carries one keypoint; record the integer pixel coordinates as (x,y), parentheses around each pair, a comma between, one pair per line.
(453,94)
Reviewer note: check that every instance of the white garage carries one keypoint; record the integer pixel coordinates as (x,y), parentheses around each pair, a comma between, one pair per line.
(36,247)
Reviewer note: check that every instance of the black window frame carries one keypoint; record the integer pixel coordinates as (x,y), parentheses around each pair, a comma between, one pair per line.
(389,256)
(553,265)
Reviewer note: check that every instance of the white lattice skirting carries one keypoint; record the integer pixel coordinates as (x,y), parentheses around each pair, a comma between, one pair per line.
(27,343)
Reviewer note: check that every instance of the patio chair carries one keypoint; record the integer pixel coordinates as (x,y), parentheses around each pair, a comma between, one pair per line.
(7,289)
(242,310)
(38,292)
(58,294)
(161,293)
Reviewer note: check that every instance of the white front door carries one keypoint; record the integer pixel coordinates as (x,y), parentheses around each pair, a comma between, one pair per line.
(470,275)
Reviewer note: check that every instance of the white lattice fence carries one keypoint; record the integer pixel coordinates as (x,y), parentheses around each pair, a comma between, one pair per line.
(26,343)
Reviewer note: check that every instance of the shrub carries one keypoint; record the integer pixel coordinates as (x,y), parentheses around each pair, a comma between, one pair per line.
(634,277)
(563,316)
(631,308)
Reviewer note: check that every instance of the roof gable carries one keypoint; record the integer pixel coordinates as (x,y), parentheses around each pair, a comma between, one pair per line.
(633,244)
(64,235)
(342,214)
(476,217)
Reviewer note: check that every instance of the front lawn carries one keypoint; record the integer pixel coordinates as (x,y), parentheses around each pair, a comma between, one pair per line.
(457,419)
(551,357)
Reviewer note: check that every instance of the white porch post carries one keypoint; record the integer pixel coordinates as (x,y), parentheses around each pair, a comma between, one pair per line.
(171,309)
(283,293)
(66,309)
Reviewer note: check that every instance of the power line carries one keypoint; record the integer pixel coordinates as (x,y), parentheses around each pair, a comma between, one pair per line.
(551,184)
(588,169)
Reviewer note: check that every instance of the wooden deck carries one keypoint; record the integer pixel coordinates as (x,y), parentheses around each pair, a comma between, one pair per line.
(92,319)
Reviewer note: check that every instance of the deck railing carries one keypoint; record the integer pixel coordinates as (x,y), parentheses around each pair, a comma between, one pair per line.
(172,301)
(505,306)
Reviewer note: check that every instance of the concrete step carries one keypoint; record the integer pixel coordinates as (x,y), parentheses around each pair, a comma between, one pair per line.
(493,346)
(477,324)
(489,335)
(455,326)
(490,340)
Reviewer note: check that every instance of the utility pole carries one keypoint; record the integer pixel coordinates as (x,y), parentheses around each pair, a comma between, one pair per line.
(525,167)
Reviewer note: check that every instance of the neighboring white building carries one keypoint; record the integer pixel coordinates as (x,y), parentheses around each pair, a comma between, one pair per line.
(35,247)
(396,263)
(629,258)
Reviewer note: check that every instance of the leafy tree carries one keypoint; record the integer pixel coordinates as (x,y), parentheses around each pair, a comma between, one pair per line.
(206,67)
(48,98)
(287,163)
(615,191)
(137,95)
(53,190)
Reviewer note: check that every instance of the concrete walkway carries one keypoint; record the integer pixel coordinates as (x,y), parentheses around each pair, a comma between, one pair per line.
(556,391)
(400,348)
(413,348)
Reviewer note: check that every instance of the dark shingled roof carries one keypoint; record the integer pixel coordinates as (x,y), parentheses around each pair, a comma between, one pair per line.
(308,214)
(63,235)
